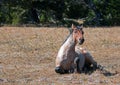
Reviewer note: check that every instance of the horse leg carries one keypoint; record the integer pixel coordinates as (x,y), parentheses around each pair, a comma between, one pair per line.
(80,63)
(89,60)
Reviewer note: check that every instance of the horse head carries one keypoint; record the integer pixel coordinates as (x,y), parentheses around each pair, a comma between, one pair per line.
(78,34)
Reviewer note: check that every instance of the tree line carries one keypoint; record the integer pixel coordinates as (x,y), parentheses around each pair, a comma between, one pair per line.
(60,12)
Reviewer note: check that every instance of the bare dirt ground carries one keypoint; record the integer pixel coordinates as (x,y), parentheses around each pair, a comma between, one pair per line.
(27,56)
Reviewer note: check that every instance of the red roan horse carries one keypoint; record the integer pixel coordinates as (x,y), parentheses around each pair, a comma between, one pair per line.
(70,57)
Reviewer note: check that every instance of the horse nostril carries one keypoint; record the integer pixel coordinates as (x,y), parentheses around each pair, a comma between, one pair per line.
(81,41)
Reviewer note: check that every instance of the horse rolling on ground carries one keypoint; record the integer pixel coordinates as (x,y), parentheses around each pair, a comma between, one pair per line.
(70,58)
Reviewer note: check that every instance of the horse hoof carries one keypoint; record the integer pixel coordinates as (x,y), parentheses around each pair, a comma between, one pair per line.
(58,70)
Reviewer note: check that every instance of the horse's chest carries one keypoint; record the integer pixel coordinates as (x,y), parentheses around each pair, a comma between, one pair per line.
(65,58)
(65,54)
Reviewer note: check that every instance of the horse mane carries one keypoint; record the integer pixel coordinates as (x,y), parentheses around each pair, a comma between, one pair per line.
(68,35)
(66,39)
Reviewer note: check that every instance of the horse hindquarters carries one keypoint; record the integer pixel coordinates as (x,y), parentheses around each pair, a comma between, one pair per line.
(85,60)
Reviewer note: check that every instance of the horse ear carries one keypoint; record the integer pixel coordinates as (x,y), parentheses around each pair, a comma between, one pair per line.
(80,27)
(73,26)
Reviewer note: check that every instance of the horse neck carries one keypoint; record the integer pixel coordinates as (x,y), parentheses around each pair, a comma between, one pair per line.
(70,43)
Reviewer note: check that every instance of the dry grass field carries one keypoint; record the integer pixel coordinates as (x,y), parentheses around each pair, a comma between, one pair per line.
(27,56)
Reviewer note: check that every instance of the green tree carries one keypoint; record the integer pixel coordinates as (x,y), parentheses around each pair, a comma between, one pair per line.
(95,12)
(103,12)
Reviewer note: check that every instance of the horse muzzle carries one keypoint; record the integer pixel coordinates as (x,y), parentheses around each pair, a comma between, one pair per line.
(81,41)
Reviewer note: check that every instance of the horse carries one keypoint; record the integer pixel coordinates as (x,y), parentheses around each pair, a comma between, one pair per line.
(69,56)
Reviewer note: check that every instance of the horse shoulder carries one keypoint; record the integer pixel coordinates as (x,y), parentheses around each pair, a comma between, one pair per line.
(61,55)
